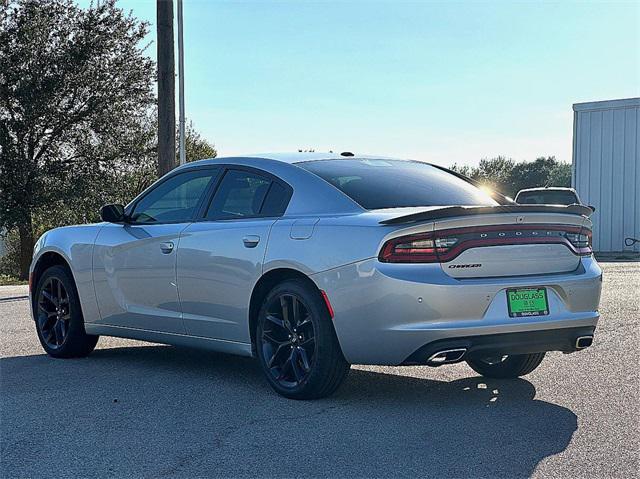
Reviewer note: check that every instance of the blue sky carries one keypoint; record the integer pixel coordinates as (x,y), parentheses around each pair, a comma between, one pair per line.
(436,81)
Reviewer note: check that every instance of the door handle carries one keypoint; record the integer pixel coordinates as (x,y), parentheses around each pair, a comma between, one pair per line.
(251,241)
(167,247)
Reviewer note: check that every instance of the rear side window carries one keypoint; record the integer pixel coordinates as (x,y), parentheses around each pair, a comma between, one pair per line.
(547,197)
(276,201)
(375,184)
(243,194)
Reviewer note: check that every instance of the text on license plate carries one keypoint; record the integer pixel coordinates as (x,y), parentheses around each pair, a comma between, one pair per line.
(527,302)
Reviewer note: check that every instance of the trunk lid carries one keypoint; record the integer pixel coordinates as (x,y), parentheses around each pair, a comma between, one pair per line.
(512,240)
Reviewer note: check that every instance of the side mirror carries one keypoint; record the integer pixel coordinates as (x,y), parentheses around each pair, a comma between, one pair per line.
(112,213)
(593,208)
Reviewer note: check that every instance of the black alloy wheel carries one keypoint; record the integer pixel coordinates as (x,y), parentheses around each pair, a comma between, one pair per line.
(296,342)
(54,312)
(58,315)
(288,340)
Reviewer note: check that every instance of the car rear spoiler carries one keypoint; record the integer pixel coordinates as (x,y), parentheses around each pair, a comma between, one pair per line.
(451,211)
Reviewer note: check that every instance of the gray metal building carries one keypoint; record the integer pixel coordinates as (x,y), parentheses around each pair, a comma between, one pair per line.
(606,169)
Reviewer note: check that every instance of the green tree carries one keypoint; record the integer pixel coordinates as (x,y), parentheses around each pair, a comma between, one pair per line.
(508,177)
(197,148)
(496,173)
(533,173)
(75,94)
(560,175)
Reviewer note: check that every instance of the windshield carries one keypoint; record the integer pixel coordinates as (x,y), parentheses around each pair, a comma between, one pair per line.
(547,198)
(375,184)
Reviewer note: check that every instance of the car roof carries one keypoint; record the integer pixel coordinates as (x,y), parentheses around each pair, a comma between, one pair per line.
(547,188)
(296,157)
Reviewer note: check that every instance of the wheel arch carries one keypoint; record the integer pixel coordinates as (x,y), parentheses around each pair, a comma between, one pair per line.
(265,284)
(46,260)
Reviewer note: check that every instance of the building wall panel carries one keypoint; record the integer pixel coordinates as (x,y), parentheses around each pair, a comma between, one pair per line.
(606,162)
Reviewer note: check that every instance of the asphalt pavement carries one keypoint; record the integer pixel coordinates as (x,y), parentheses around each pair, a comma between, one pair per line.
(135,409)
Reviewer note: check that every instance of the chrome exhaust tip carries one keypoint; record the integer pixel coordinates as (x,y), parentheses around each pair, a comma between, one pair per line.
(584,342)
(446,357)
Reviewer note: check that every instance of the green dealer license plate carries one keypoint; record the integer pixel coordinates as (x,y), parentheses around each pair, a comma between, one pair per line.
(527,302)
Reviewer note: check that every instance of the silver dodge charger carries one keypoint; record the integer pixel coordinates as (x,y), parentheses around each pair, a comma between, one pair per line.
(311,262)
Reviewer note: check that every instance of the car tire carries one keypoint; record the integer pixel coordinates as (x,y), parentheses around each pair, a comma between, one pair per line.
(296,343)
(511,366)
(58,316)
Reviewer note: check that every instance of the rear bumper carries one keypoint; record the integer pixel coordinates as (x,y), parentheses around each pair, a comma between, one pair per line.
(564,340)
(385,313)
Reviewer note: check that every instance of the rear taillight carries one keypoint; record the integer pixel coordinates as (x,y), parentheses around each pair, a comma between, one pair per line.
(419,248)
(445,245)
(580,240)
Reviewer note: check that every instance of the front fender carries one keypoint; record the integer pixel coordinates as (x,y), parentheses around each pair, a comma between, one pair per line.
(74,244)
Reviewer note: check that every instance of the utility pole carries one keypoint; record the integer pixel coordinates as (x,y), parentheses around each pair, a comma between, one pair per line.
(166,88)
(183,151)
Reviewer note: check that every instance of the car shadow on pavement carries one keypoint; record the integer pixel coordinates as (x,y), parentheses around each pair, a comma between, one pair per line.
(160,411)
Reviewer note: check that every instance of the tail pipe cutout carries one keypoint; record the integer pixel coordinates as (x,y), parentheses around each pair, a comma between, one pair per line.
(583,342)
(446,356)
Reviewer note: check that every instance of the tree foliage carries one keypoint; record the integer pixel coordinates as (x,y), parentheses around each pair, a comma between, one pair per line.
(75,87)
(197,147)
(77,115)
(508,177)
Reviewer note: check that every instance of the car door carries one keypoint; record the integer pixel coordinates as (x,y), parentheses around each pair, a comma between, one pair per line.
(134,263)
(220,257)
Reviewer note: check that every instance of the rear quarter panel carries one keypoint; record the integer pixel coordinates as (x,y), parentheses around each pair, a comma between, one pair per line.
(315,244)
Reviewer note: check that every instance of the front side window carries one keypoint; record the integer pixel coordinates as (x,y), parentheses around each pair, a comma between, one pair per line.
(175,199)
(375,184)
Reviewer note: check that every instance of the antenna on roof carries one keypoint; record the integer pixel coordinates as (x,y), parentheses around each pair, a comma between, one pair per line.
(346,153)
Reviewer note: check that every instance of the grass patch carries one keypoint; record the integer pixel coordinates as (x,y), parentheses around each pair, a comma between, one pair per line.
(6,280)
